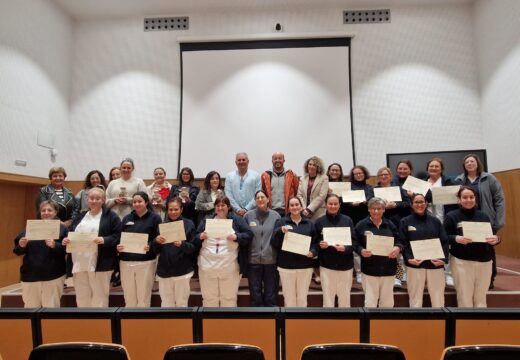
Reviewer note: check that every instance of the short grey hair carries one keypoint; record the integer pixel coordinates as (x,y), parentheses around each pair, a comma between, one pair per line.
(376,201)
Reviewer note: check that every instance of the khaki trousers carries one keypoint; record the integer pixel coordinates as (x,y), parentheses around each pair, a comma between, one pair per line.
(218,288)
(92,288)
(137,278)
(175,290)
(295,286)
(379,290)
(43,293)
(336,282)
(472,279)
(434,280)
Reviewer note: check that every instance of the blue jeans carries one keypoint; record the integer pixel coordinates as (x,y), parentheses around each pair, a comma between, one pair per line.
(263,284)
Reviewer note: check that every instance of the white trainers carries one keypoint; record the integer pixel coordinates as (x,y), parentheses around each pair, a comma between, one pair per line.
(449,280)
(397,283)
(359,280)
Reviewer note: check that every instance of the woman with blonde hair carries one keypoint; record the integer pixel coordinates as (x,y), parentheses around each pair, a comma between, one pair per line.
(313,188)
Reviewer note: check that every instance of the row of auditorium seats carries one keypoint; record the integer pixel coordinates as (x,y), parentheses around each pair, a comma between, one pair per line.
(281,332)
(86,351)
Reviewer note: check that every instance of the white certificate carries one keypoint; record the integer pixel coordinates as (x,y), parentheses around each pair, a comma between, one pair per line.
(82,242)
(173,231)
(416,186)
(476,231)
(445,195)
(296,243)
(390,193)
(337,236)
(380,245)
(134,242)
(353,196)
(42,229)
(427,249)
(339,188)
(219,228)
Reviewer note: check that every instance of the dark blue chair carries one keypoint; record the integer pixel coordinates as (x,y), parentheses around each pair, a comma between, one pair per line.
(79,351)
(214,352)
(482,352)
(352,352)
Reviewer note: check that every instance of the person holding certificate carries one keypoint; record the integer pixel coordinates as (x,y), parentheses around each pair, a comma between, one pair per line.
(187,192)
(403,169)
(335,174)
(379,245)
(61,195)
(43,268)
(490,197)
(430,270)
(335,253)
(470,260)
(395,210)
(138,266)
(358,181)
(262,275)
(120,191)
(205,202)
(313,188)
(159,189)
(175,265)
(92,270)
(223,255)
(435,169)
(295,262)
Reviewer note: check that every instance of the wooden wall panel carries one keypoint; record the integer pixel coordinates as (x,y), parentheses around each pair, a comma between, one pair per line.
(510,234)
(472,332)
(16,340)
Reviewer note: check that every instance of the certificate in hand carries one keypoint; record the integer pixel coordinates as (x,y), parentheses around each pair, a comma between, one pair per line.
(82,242)
(339,188)
(427,249)
(134,242)
(219,228)
(476,231)
(389,193)
(445,195)
(416,186)
(337,236)
(173,231)
(353,196)
(296,243)
(42,229)
(380,245)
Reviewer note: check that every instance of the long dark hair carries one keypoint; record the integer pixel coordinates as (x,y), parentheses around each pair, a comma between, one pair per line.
(207,180)
(88,184)
(146,199)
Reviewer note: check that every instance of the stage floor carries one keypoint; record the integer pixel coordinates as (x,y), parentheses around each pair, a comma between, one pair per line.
(506,292)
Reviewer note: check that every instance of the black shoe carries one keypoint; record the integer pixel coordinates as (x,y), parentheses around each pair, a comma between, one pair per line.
(491,285)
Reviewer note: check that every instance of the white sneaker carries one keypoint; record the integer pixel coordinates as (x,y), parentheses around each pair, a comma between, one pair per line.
(359,280)
(449,280)
(397,283)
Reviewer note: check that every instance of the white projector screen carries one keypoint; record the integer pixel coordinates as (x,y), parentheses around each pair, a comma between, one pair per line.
(265,96)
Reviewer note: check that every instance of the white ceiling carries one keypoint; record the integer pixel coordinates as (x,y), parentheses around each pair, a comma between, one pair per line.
(96,9)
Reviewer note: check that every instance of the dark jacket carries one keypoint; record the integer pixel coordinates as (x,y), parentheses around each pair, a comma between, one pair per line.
(189,208)
(173,260)
(67,205)
(445,181)
(244,237)
(376,265)
(401,210)
(359,212)
(474,251)
(40,262)
(330,258)
(422,227)
(289,260)
(110,230)
(148,224)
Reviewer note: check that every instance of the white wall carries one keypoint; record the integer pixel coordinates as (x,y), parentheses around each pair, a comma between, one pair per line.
(497,35)
(35,47)
(414,83)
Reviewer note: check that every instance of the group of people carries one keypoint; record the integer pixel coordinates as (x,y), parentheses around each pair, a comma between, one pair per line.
(261,210)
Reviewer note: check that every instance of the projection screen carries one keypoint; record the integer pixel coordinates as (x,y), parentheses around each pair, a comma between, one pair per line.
(260,97)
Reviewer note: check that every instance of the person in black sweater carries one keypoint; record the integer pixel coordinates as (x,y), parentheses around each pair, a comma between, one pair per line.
(378,271)
(138,269)
(295,269)
(92,270)
(423,226)
(43,268)
(175,267)
(336,261)
(470,261)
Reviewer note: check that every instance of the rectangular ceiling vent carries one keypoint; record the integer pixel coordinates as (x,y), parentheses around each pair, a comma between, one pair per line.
(366,16)
(167,23)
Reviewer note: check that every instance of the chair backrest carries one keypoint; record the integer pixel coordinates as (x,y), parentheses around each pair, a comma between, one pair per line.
(482,352)
(214,351)
(79,351)
(352,352)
